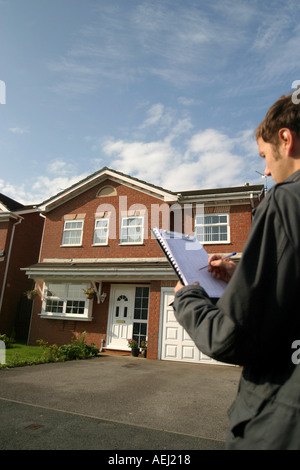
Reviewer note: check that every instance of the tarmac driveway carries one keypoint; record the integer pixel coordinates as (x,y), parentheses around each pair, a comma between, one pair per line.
(116,402)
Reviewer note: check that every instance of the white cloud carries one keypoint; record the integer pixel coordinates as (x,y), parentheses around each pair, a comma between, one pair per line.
(205,159)
(40,189)
(208,159)
(60,167)
(147,161)
(19,130)
(155,114)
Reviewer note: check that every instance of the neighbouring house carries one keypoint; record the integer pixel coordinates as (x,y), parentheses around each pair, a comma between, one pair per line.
(20,240)
(97,234)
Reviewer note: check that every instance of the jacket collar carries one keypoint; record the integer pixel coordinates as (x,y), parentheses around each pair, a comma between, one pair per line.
(294,177)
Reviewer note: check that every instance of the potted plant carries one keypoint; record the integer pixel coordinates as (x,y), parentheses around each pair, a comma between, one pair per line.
(89,293)
(144,348)
(133,344)
(31,294)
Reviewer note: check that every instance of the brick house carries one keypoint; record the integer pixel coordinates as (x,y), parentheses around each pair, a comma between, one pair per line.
(97,233)
(20,240)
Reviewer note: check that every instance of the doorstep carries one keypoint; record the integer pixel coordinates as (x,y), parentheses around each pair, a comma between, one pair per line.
(115,352)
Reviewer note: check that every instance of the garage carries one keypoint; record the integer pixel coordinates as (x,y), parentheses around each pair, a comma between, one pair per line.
(175,343)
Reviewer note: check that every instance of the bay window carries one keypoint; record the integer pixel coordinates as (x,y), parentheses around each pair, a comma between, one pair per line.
(66,301)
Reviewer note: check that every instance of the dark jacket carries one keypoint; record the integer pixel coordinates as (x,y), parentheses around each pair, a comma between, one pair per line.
(255,323)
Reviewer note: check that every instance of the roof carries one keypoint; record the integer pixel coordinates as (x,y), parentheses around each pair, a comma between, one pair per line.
(10,204)
(157,191)
(142,269)
(101,175)
(235,189)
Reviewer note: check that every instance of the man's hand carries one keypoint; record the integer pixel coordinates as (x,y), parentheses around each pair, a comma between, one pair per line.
(219,268)
(222,269)
(178,287)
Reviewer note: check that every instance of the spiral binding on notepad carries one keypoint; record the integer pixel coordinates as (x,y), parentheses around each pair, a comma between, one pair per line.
(167,251)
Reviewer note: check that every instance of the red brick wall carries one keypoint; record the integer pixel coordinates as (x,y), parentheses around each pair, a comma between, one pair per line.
(240,222)
(25,251)
(87,203)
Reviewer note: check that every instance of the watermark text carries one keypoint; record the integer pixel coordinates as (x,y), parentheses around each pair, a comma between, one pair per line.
(296,93)
(2,92)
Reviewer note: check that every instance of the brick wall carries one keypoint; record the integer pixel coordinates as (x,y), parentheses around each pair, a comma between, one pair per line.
(25,251)
(86,205)
(240,223)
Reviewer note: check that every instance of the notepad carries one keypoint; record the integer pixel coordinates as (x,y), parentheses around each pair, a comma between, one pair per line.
(187,256)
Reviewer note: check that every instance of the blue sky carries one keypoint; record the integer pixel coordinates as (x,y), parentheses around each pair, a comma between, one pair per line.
(169,91)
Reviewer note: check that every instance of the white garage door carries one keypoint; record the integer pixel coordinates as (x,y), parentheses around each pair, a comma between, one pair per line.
(176,345)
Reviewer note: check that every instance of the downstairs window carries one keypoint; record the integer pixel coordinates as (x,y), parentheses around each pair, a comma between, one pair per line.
(66,301)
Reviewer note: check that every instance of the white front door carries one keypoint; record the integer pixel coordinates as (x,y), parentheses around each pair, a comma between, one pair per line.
(120,321)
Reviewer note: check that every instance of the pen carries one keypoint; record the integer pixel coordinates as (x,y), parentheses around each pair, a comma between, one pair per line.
(224,257)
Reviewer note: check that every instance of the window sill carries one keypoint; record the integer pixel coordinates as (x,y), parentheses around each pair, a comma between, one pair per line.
(227,242)
(132,244)
(64,317)
(70,246)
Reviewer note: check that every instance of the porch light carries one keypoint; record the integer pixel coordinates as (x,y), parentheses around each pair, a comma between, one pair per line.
(103,297)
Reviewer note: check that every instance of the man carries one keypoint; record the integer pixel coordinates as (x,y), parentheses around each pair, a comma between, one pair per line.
(257,320)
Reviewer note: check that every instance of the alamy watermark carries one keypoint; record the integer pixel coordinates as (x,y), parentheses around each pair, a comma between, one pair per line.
(163,215)
(2,92)
(2,353)
(296,354)
(296,93)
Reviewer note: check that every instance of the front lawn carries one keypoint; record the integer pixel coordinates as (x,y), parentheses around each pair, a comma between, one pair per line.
(20,353)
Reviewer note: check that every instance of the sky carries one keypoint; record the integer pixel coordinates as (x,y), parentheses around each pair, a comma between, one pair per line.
(168,91)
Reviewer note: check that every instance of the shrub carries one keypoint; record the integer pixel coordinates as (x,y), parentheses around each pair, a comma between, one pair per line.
(7,341)
(77,349)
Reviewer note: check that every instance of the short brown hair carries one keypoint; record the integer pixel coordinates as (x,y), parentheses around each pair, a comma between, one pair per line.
(283,113)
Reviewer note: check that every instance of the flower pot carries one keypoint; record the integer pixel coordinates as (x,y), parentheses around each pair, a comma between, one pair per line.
(144,352)
(30,295)
(89,296)
(135,352)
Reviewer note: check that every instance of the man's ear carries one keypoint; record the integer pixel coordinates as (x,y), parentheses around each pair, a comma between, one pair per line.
(286,139)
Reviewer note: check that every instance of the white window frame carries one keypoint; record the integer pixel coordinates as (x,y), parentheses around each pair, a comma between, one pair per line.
(211,225)
(102,229)
(64,298)
(123,240)
(65,230)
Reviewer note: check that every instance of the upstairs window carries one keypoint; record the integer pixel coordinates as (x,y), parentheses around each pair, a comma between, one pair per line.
(72,234)
(212,228)
(101,232)
(132,230)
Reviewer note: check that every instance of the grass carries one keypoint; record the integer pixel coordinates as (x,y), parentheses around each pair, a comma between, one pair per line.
(20,354)
(23,352)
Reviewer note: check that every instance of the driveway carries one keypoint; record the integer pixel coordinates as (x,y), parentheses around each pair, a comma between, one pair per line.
(116,402)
